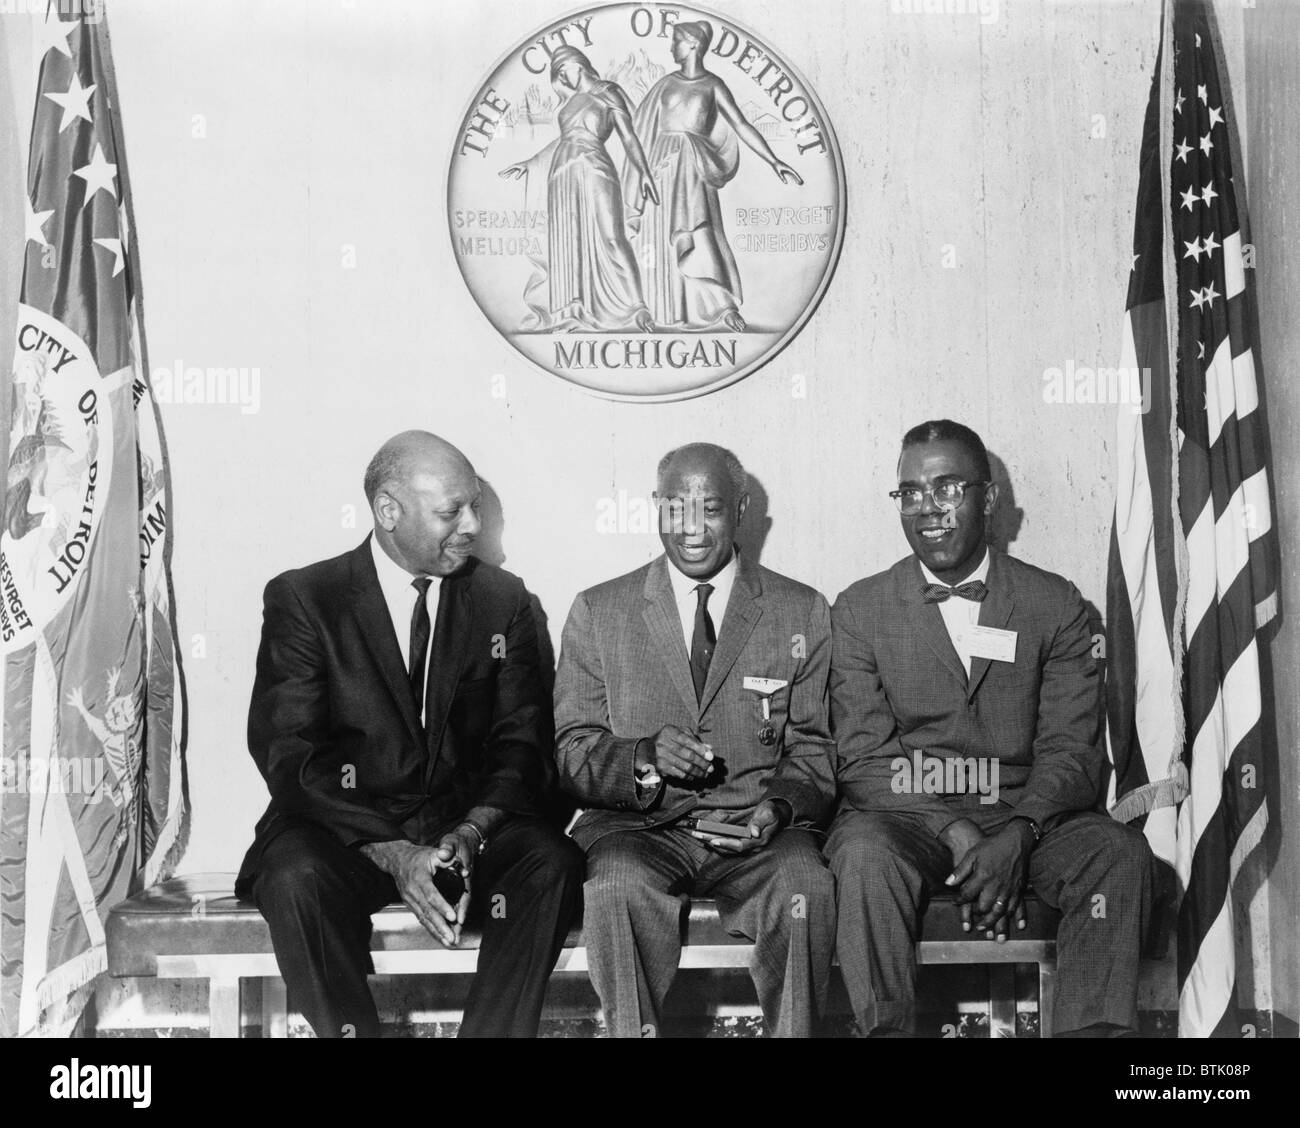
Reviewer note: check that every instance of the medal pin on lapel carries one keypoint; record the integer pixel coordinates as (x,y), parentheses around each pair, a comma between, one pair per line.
(766,687)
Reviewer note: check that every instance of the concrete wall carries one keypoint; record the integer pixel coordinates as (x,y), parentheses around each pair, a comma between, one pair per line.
(1269,90)
(1006,148)
(331,124)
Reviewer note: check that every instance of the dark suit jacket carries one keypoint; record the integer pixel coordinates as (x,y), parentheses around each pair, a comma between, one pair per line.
(332,699)
(898,685)
(624,673)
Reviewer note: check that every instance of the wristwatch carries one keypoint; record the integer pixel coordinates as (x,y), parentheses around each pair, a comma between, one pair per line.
(482,837)
(1033,826)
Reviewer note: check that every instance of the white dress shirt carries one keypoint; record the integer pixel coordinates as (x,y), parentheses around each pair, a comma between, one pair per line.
(959,615)
(396,584)
(648,786)
(684,595)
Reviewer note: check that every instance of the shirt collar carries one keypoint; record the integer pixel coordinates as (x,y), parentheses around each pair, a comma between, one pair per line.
(684,586)
(980,573)
(394,580)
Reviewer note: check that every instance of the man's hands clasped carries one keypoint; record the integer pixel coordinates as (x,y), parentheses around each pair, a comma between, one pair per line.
(413,869)
(989,874)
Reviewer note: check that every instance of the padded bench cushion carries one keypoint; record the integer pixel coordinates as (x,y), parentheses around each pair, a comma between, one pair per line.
(198,914)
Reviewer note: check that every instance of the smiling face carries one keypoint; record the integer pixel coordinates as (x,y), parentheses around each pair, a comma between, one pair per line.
(951,553)
(429,521)
(699,514)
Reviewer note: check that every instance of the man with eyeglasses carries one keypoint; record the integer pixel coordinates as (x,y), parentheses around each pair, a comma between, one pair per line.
(965,707)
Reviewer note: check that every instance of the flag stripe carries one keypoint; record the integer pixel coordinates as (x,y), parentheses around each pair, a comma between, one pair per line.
(1219,486)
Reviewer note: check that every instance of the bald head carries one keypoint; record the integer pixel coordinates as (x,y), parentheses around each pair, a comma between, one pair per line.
(409,453)
(424,497)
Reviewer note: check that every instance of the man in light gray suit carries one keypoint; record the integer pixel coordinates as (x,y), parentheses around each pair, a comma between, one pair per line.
(695,688)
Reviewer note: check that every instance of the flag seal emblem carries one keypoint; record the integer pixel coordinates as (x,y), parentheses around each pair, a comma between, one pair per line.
(58,473)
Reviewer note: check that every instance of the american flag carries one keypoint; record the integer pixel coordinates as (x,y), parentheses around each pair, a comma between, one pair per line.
(1193,577)
(94,799)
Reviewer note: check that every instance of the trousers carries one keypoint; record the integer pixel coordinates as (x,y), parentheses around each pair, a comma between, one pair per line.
(317,896)
(1095,871)
(781,897)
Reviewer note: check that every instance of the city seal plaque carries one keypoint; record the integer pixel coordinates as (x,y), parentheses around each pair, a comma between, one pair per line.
(646,201)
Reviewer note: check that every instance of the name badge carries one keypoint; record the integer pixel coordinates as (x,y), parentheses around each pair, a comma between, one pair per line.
(765,685)
(991,643)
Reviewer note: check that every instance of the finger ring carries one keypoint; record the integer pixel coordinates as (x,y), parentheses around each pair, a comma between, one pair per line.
(999,901)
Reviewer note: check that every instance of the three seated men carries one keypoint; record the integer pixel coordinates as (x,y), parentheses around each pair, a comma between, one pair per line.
(713,719)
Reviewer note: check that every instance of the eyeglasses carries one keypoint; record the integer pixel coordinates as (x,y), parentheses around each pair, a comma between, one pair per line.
(946,497)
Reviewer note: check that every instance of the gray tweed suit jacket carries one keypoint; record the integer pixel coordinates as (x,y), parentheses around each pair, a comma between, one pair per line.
(898,686)
(624,673)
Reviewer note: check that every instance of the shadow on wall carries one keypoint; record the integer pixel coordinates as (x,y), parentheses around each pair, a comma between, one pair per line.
(490,548)
(756,525)
(1008,520)
(1008,517)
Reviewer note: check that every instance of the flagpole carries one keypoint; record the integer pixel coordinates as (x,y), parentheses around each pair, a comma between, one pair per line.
(1164,161)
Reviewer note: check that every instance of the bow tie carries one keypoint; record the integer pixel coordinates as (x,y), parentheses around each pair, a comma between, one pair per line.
(976,591)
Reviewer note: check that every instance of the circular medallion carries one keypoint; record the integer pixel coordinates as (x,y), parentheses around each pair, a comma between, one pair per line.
(645,201)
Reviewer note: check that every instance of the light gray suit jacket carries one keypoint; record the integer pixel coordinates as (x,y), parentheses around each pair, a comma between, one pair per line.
(625,672)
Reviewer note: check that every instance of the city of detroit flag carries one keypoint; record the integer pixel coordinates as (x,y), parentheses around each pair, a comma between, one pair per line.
(93,803)
(1193,575)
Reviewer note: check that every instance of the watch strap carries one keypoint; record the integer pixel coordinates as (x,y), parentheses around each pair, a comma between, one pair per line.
(1033,826)
(478,830)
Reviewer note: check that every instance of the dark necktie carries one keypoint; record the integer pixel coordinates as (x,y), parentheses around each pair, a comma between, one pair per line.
(703,639)
(976,591)
(419,641)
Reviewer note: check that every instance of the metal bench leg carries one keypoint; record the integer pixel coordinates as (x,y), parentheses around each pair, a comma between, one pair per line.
(223,1007)
(1046,997)
(1002,1001)
(275,1008)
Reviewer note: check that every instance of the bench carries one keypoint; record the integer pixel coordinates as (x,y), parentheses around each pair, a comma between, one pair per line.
(193,927)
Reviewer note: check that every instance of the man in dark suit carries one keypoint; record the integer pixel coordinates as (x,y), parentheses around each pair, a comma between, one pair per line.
(964,702)
(400,746)
(695,687)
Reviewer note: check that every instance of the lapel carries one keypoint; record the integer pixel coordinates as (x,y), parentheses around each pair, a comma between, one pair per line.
(665,627)
(451,631)
(994,612)
(738,621)
(925,619)
(371,613)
